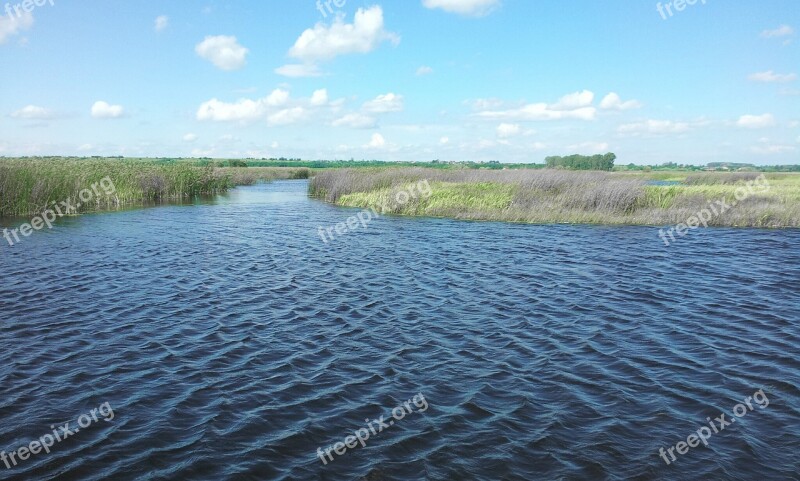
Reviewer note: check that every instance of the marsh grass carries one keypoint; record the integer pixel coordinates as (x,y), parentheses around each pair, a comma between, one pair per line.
(29,186)
(559,196)
(252,175)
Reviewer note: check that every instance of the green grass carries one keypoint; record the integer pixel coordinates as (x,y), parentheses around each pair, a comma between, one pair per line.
(554,196)
(28,187)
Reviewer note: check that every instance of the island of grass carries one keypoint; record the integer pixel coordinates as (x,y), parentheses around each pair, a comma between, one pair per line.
(742,199)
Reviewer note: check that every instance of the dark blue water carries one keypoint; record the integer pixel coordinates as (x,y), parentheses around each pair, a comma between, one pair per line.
(231,343)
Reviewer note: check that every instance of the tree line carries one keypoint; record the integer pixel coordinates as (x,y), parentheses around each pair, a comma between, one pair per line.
(582,162)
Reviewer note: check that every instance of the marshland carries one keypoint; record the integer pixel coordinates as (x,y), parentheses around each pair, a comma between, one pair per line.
(561,196)
(27,186)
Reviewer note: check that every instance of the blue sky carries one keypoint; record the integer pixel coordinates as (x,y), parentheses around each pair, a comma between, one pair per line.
(507,80)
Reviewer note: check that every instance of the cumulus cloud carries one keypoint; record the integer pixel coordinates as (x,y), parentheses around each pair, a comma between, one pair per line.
(613,101)
(384,104)
(320,97)
(287,116)
(277,108)
(505,131)
(472,8)
(377,142)
(572,106)
(756,121)
(222,51)
(33,112)
(104,110)
(782,31)
(356,121)
(243,110)
(325,42)
(771,77)
(298,70)
(655,127)
(161,23)
(444,141)
(11,25)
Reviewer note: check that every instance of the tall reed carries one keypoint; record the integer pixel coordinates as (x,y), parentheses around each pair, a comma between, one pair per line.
(29,186)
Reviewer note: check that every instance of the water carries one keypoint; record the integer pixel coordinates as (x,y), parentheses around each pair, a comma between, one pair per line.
(231,343)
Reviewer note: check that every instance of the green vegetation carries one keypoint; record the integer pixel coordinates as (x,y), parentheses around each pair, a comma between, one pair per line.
(559,196)
(582,162)
(28,187)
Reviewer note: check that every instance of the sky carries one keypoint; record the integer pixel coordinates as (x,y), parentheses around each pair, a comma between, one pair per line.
(410,80)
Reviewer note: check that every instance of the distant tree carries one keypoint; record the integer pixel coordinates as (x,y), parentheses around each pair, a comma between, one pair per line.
(582,162)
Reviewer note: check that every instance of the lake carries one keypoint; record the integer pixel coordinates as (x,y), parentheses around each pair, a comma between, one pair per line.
(231,343)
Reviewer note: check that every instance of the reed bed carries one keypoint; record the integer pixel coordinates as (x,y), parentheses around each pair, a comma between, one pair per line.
(29,186)
(252,175)
(559,196)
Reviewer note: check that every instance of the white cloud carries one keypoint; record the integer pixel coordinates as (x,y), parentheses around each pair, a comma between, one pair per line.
(473,8)
(572,106)
(223,51)
(377,142)
(613,101)
(782,31)
(161,23)
(277,108)
(756,121)
(771,77)
(384,103)
(355,121)
(11,25)
(189,138)
(287,116)
(505,131)
(424,70)
(574,101)
(655,127)
(243,110)
(298,70)
(103,110)
(444,141)
(319,98)
(33,112)
(324,42)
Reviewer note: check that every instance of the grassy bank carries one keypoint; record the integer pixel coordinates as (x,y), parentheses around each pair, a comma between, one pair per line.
(28,187)
(252,175)
(556,196)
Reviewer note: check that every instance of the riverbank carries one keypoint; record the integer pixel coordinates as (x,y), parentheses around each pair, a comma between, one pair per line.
(30,186)
(559,196)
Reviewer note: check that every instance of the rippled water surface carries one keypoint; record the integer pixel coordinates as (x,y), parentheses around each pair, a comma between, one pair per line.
(231,343)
